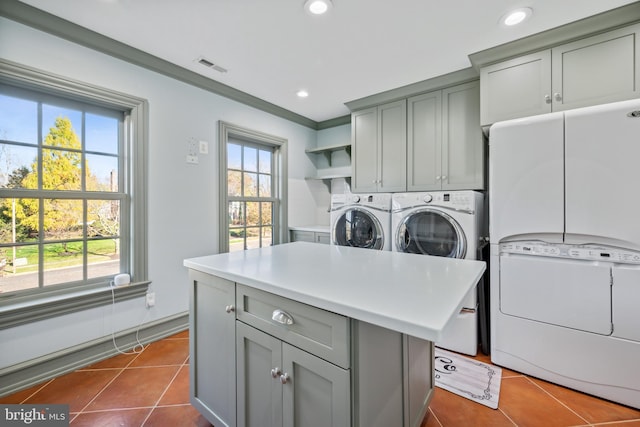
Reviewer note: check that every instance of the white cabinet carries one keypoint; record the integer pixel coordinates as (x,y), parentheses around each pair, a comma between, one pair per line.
(445,145)
(379,144)
(212,331)
(595,70)
(310,236)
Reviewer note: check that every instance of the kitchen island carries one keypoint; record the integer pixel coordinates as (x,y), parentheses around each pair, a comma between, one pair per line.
(312,335)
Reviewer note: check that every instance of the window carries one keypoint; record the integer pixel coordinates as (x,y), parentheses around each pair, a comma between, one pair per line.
(71,160)
(252,188)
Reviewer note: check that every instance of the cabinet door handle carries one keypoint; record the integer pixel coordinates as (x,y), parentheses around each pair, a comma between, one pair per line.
(229,309)
(547,99)
(438,178)
(282,317)
(284,378)
(444,177)
(557,96)
(276,372)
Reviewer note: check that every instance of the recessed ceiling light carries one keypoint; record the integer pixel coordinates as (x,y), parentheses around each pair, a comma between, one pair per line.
(302,93)
(317,7)
(516,16)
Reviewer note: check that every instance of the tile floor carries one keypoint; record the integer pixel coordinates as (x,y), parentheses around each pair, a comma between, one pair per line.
(152,389)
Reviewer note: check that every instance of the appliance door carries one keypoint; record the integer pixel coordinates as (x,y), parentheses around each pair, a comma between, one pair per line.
(626,300)
(564,292)
(358,228)
(602,174)
(526,178)
(431,232)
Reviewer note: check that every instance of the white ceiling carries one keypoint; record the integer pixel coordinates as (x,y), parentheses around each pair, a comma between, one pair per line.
(273,48)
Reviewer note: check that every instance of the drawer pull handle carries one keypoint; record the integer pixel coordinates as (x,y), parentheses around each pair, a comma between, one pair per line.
(284,378)
(276,372)
(282,317)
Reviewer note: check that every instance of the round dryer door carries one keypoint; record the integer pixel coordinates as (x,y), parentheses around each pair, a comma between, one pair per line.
(358,228)
(431,232)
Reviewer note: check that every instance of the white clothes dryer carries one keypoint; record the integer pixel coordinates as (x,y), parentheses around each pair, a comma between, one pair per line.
(448,224)
(361,220)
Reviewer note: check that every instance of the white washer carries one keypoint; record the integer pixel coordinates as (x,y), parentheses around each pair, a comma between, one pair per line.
(449,224)
(361,220)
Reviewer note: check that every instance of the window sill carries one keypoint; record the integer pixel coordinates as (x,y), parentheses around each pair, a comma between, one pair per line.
(12,315)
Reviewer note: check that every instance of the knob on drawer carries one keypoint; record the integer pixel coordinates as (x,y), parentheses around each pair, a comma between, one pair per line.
(282,316)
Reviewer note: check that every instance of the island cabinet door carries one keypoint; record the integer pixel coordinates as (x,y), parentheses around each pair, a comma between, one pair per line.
(259,368)
(212,348)
(316,393)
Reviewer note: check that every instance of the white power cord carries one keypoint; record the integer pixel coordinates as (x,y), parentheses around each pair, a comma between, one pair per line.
(138,348)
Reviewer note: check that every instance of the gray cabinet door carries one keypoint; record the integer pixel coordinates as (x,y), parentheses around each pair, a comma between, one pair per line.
(364,144)
(392,139)
(462,140)
(323,238)
(418,379)
(516,88)
(424,136)
(317,393)
(212,348)
(596,70)
(259,388)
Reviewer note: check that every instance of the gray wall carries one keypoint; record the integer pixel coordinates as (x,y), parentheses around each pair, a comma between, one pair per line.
(182,198)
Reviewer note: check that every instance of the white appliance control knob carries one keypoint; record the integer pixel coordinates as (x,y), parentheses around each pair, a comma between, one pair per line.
(428,198)
(356,199)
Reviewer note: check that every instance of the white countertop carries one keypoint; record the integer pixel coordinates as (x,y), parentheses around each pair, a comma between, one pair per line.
(315,228)
(413,294)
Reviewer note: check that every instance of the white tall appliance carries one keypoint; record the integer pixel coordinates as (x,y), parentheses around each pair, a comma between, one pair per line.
(564,228)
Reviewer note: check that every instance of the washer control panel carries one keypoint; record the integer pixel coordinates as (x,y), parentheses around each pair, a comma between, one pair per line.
(584,252)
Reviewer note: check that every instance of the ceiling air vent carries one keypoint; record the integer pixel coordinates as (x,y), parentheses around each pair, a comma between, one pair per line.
(211,65)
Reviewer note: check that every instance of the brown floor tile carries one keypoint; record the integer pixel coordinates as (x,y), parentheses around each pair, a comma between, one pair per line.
(623,424)
(22,395)
(590,408)
(183,416)
(75,389)
(430,420)
(134,388)
(453,410)
(178,391)
(162,353)
(124,418)
(527,405)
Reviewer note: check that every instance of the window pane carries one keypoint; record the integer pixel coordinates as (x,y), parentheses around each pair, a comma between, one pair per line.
(265,185)
(63,262)
(253,213)
(236,213)
(19,220)
(234,183)
(101,134)
(250,159)
(18,120)
(61,170)
(102,173)
(236,239)
(250,184)
(265,161)
(267,236)
(265,213)
(16,164)
(61,127)
(62,219)
(234,156)
(253,237)
(20,268)
(103,218)
(103,258)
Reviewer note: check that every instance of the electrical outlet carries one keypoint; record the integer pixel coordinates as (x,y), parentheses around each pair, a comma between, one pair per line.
(204,147)
(151,299)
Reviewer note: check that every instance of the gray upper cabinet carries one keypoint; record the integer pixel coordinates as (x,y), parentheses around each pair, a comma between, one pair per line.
(379,144)
(212,377)
(445,146)
(594,70)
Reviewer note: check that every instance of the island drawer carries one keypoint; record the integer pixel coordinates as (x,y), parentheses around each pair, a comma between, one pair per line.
(320,332)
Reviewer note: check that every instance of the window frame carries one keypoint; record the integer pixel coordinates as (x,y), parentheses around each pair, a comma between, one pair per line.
(227,132)
(19,309)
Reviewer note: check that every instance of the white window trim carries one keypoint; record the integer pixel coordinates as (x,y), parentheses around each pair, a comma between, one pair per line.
(24,309)
(227,131)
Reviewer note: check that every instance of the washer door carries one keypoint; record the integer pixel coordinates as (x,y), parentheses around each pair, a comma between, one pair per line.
(358,228)
(431,232)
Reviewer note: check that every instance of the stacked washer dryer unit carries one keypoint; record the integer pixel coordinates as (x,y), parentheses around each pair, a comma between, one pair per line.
(361,220)
(447,224)
(565,248)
